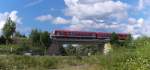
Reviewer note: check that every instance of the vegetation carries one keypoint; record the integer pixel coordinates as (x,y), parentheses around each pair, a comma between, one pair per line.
(122,58)
(114,38)
(18,34)
(9,30)
(126,55)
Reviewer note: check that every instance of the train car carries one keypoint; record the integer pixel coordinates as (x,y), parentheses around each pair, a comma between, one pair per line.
(85,35)
(102,35)
(58,34)
(122,36)
(74,34)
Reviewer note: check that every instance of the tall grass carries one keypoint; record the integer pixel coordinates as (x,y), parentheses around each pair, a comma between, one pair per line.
(8,49)
(13,62)
(120,58)
(123,59)
(17,62)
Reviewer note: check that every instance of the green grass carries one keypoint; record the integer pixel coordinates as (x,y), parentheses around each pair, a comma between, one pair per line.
(120,58)
(8,49)
(13,62)
(16,62)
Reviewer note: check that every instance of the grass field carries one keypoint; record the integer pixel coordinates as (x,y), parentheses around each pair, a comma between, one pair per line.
(119,59)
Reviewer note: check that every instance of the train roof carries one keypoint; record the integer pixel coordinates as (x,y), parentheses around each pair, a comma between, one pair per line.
(90,32)
(75,31)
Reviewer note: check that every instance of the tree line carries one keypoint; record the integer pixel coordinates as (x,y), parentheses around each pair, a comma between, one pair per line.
(39,41)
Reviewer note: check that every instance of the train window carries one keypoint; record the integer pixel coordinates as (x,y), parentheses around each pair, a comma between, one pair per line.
(103,35)
(72,33)
(84,34)
(93,34)
(57,33)
(68,33)
(61,33)
(78,34)
(122,35)
(88,34)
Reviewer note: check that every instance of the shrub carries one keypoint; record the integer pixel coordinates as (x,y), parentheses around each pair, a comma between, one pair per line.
(15,62)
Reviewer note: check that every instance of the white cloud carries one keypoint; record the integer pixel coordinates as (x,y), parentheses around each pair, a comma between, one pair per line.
(91,14)
(14,17)
(132,20)
(92,1)
(144,29)
(92,25)
(93,9)
(34,2)
(44,18)
(5,15)
(140,21)
(143,3)
(96,14)
(136,27)
(60,20)
(55,20)
(106,15)
(101,15)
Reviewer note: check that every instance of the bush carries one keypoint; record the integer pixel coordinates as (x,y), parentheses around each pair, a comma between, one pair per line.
(13,62)
(22,49)
(2,40)
(8,49)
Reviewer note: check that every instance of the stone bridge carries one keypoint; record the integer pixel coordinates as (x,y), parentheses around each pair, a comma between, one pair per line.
(57,43)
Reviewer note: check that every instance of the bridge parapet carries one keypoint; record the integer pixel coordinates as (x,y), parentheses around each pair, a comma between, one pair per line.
(57,43)
(79,41)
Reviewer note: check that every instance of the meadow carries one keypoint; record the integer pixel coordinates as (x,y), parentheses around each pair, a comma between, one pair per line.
(120,58)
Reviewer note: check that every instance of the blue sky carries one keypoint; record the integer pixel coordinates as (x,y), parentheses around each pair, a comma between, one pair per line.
(125,16)
(28,10)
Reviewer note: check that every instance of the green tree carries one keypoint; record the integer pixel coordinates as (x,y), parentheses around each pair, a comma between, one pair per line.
(9,29)
(2,40)
(40,40)
(129,38)
(128,42)
(18,34)
(45,40)
(35,37)
(114,38)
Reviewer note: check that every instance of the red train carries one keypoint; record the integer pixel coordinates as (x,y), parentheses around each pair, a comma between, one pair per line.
(85,35)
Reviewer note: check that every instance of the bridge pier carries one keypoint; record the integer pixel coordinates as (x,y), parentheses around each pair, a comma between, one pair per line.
(54,49)
(101,48)
(57,44)
(107,48)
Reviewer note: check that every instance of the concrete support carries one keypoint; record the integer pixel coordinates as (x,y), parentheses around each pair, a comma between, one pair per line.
(105,48)
(54,49)
(101,48)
